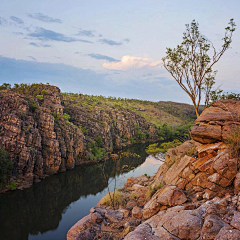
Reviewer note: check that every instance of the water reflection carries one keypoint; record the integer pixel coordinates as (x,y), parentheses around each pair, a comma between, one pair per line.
(51,207)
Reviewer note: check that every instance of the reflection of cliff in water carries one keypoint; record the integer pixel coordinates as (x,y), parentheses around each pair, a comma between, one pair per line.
(39,209)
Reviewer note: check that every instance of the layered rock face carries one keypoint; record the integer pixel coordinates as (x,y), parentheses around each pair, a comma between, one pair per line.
(216,121)
(196,192)
(43,134)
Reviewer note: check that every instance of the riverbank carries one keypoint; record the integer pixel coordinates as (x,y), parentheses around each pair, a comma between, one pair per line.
(48,209)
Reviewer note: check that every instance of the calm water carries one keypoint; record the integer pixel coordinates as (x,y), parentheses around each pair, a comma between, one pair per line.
(49,209)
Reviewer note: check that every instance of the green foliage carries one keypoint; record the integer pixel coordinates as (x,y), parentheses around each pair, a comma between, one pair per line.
(140,135)
(44,92)
(56,115)
(114,199)
(190,64)
(219,94)
(173,160)
(66,117)
(99,141)
(97,153)
(84,130)
(132,140)
(165,132)
(5,167)
(152,190)
(5,86)
(39,97)
(233,141)
(12,186)
(153,149)
(32,107)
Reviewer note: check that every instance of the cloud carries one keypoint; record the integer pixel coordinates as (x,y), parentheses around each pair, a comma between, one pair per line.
(18,33)
(104,57)
(17,20)
(3,21)
(131,62)
(44,18)
(127,40)
(39,44)
(33,58)
(48,35)
(109,42)
(87,33)
(77,52)
(72,79)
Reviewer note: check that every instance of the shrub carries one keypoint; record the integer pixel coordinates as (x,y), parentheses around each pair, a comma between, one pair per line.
(118,197)
(151,191)
(32,107)
(140,135)
(5,86)
(153,149)
(5,167)
(56,115)
(233,141)
(66,116)
(39,97)
(12,186)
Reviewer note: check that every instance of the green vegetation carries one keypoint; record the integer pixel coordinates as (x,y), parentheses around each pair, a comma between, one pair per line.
(233,141)
(5,167)
(12,186)
(66,116)
(155,113)
(190,64)
(97,153)
(154,149)
(39,97)
(119,198)
(152,190)
(219,94)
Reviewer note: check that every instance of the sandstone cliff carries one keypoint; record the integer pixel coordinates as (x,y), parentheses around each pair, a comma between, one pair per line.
(196,192)
(46,131)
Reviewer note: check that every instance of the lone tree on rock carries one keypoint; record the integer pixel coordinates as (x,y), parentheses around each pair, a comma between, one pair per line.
(190,64)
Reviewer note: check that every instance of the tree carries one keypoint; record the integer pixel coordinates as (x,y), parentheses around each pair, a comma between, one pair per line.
(190,64)
(5,167)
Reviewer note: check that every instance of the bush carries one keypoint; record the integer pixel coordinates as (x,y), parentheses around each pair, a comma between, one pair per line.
(5,167)
(151,191)
(66,116)
(119,199)
(233,141)
(12,186)
(32,107)
(153,149)
(39,97)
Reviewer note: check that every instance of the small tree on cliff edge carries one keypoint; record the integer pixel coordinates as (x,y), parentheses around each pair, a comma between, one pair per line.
(191,66)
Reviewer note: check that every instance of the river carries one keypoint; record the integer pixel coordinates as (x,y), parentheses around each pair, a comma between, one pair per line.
(48,209)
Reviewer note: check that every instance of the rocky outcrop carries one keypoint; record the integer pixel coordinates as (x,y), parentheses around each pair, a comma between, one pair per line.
(216,121)
(195,194)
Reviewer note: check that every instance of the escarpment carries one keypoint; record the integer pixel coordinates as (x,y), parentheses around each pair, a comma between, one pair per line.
(46,131)
(195,193)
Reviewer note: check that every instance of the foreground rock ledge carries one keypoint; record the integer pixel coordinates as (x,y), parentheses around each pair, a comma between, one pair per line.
(195,193)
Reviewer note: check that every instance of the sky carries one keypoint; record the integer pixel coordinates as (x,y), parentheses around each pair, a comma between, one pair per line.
(109,47)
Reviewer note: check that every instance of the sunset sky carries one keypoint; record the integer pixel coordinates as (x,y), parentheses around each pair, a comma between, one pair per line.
(108,47)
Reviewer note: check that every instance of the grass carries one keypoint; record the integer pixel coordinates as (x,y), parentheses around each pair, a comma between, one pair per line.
(118,197)
(233,141)
(151,191)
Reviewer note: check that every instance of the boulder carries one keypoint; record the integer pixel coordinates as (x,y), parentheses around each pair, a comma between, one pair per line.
(228,233)
(168,195)
(236,220)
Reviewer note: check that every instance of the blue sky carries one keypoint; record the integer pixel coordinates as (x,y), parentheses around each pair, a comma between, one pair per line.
(108,47)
